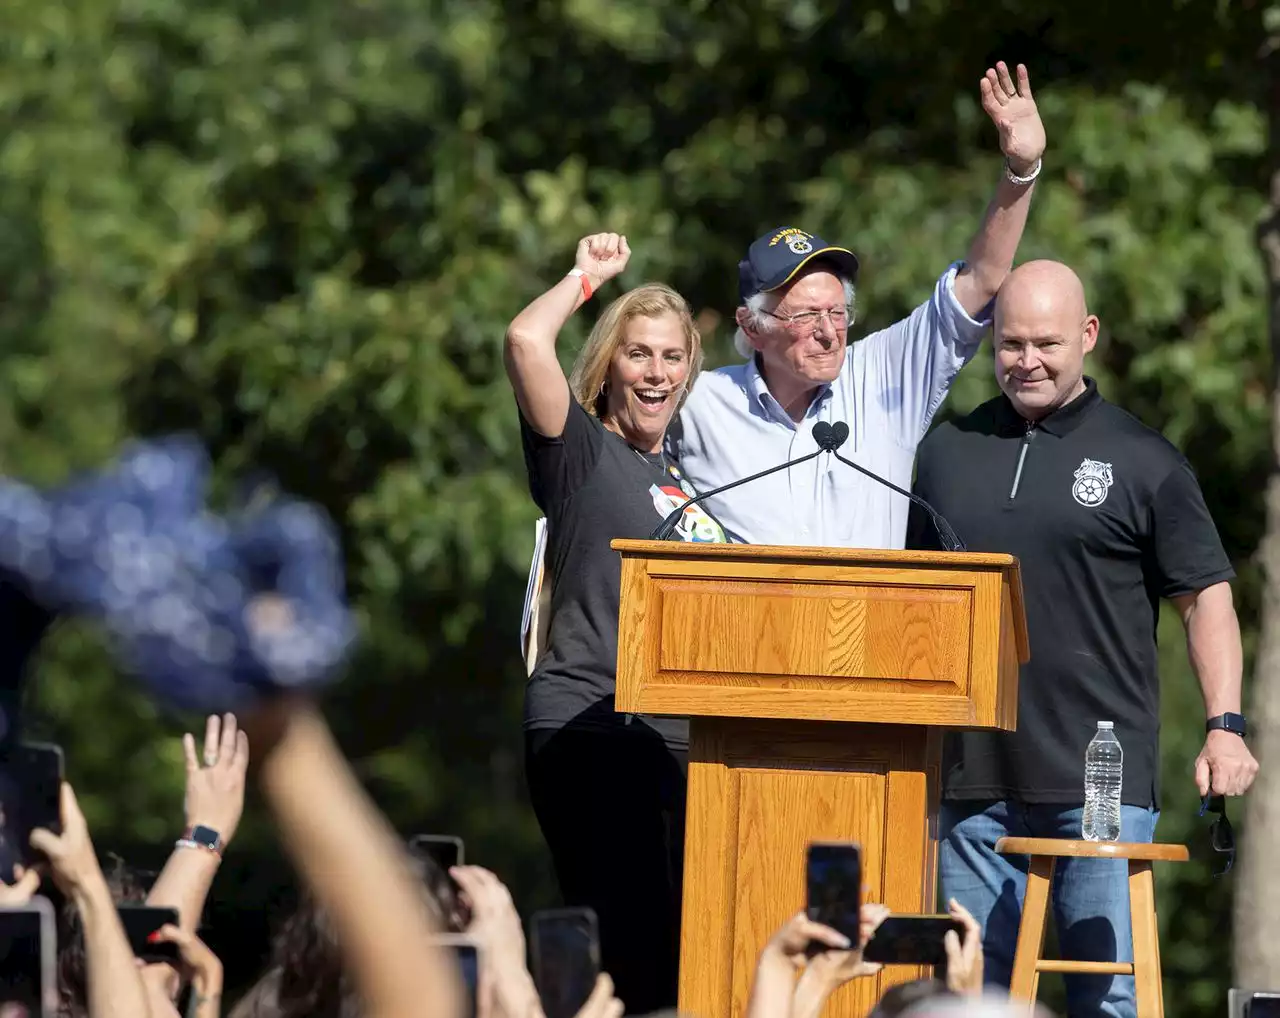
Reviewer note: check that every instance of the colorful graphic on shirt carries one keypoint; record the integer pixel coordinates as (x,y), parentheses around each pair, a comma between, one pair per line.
(1093,483)
(694,525)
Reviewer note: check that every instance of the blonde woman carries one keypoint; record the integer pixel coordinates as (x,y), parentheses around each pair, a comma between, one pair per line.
(608,789)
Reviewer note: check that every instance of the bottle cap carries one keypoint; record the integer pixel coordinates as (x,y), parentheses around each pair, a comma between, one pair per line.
(1106,724)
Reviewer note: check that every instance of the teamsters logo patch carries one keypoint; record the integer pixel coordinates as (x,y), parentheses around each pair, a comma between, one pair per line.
(1093,482)
(798,241)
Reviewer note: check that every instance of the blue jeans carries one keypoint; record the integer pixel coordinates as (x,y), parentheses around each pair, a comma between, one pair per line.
(1090,896)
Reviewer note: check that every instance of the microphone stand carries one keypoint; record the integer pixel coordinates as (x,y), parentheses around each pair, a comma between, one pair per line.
(950,541)
(664,529)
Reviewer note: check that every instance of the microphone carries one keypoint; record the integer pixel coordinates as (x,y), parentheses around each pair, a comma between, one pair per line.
(834,437)
(830,436)
(664,530)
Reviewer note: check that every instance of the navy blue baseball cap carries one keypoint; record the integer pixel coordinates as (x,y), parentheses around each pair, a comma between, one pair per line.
(775,258)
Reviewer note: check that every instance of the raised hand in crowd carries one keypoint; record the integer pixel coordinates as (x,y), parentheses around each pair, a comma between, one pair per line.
(774,985)
(964,957)
(115,988)
(828,971)
(26,881)
(602,1003)
(506,987)
(349,856)
(201,968)
(212,807)
(215,782)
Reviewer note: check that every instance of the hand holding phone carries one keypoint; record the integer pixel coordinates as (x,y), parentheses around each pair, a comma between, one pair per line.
(140,922)
(565,947)
(963,969)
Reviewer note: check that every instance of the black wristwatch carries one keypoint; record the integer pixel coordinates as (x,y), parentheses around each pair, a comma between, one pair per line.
(1233,723)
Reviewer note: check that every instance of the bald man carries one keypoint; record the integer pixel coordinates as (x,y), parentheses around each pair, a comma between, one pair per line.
(1106,518)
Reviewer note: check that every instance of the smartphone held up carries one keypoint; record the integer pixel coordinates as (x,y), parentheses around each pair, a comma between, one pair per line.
(565,949)
(445,850)
(833,885)
(28,958)
(30,797)
(466,955)
(912,940)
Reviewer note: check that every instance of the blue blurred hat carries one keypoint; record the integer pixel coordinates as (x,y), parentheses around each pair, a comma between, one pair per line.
(208,612)
(775,258)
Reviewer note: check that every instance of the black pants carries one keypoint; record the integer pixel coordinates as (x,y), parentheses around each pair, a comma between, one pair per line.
(611,808)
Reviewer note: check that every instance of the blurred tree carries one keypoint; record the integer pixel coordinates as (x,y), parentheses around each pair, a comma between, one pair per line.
(1257,912)
(300,230)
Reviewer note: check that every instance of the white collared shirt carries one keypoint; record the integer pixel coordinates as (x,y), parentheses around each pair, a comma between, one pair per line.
(888,390)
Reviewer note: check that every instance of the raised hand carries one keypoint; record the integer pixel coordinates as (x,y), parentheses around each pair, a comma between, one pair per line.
(602,256)
(835,968)
(792,941)
(496,927)
(788,950)
(1012,109)
(964,959)
(215,783)
(602,1003)
(202,965)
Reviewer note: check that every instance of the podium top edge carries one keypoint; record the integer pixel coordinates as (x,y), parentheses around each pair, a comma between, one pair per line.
(801,553)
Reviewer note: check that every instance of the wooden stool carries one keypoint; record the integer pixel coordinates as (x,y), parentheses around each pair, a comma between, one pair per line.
(1044,852)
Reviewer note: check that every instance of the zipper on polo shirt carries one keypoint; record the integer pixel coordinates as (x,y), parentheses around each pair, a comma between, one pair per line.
(1022,459)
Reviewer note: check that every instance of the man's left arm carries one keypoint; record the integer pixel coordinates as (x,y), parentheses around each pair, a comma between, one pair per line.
(1225,766)
(1195,575)
(1012,109)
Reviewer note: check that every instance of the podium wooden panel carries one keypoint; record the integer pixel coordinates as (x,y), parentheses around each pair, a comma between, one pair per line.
(818,683)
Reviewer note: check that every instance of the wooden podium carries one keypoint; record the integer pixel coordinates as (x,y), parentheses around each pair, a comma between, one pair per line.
(818,683)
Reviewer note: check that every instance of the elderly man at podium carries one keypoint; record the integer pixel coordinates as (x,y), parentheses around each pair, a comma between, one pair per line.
(796,305)
(1106,519)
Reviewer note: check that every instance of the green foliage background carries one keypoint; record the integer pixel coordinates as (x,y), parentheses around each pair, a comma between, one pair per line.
(300,229)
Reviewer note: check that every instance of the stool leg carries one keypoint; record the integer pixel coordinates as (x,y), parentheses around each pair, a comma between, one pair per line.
(1035,907)
(1146,947)
(1155,936)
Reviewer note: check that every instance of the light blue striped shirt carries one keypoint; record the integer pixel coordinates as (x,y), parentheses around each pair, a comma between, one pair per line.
(888,390)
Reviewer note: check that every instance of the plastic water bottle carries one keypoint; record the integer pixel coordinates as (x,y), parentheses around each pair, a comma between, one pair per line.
(1102,775)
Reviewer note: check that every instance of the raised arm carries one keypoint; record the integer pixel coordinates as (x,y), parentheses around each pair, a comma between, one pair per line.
(1012,109)
(114,985)
(530,354)
(355,865)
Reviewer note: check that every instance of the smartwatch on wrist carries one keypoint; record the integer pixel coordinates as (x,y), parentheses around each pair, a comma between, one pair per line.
(199,836)
(1233,723)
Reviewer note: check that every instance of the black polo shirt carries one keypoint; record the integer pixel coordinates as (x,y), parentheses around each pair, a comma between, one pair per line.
(1106,518)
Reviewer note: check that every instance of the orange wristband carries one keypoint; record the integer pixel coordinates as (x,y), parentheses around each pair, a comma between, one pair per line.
(586,283)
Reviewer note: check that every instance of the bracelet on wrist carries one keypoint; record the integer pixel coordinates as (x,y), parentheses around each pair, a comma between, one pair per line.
(1022,181)
(587,289)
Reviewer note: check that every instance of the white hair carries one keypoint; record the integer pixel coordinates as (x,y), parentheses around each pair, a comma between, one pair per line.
(755,306)
(989,1005)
